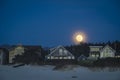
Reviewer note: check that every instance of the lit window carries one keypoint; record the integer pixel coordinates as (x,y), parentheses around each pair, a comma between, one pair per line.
(69,57)
(97,55)
(93,55)
(48,57)
(65,52)
(60,57)
(60,51)
(65,57)
(52,57)
(73,57)
(56,57)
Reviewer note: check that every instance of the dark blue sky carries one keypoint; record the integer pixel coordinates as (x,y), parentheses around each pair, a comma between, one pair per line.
(53,22)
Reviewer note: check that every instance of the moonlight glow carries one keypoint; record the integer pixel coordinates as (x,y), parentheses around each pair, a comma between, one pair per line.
(79,37)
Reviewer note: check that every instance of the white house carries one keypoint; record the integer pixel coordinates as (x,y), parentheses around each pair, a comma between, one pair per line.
(107,51)
(17,50)
(95,51)
(60,53)
(101,52)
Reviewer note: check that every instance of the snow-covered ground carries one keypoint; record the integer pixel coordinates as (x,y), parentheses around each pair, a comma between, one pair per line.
(48,72)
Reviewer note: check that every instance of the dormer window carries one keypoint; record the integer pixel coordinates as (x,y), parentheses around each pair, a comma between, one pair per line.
(60,51)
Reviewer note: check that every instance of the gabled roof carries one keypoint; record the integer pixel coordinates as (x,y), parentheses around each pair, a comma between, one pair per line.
(14,46)
(109,48)
(26,47)
(102,49)
(53,50)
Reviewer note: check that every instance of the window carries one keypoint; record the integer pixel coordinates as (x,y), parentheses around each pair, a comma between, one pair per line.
(93,55)
(69,57)
(48,57)
(60,57)
(65,52)
(73,57)
(52,57)
(97,55)
(65,57)
(56,57)
(60,51)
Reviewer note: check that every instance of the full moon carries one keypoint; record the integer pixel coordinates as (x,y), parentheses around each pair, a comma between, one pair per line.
(79,38)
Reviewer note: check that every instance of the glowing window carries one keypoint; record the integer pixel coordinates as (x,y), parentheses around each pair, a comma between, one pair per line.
(60,51)
(69,57)
(65,52)
(93,55)
(48,57)
(97,55)
(73,57)
(60,57)
(65,57)
(56,57)
(52,57)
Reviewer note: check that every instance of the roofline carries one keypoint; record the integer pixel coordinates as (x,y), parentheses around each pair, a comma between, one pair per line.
(57,48)
(109,47)
(96,46)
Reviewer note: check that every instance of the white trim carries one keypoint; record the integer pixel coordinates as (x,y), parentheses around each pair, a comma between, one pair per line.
(57,49)
(112,53)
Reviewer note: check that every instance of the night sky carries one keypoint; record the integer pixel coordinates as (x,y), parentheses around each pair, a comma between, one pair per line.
(53,22)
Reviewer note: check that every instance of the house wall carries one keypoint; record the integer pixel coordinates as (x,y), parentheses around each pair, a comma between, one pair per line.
(95,48)
(95,51)
(4,56)
(60,53)
(1,57)
(94,55)
(17,51)
(59,57)
(107,52)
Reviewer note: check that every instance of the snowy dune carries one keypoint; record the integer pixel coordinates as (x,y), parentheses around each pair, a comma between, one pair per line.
(48,72)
